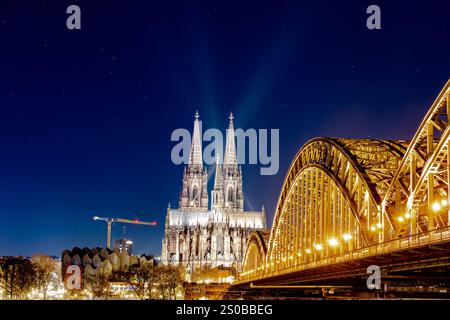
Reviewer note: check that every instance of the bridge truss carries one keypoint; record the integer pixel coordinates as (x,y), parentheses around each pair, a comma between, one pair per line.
(346,199)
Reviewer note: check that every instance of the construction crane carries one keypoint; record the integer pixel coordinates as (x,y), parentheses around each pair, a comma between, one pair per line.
(109,221)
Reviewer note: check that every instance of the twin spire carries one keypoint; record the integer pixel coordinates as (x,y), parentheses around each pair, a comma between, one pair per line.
(195,156)
(227,191)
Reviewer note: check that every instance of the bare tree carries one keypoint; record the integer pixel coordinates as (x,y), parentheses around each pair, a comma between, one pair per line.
(43,266)
(169,278)
(174,280)
(143,279)
(161,282)
(98,284)
(17,276)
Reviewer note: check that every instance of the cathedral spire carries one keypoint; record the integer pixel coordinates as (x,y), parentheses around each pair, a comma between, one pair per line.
(218,176)
(195,156)
(230,148)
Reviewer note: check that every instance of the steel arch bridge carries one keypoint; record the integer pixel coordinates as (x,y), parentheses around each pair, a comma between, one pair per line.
(349,199)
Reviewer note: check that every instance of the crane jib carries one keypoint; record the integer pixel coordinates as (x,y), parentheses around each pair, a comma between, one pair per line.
(109,222)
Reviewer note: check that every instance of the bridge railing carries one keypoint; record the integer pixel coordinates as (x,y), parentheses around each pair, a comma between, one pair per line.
(409,242)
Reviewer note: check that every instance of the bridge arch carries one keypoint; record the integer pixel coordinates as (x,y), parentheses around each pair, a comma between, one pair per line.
(330,199)
(255,255)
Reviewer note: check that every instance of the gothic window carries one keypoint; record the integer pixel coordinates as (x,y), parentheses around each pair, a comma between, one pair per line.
(220,244)
(173,243)
(194,193)
(197,245)
(230,194)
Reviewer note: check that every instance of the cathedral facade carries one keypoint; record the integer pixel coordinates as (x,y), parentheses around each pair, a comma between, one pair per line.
(199,236)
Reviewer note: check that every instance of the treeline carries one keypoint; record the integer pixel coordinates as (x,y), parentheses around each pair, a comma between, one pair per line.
(146,282)
(157,282)
(23,278)
(19,276)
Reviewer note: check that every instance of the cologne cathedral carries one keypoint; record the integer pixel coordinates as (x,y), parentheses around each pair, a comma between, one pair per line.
(199,236)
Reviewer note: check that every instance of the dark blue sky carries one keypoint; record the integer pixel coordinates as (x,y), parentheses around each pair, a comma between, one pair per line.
(86,116)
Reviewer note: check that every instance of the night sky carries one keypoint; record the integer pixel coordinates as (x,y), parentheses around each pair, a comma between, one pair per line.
(86,116)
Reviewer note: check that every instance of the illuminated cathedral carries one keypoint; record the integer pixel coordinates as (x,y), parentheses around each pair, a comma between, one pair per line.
(199,236)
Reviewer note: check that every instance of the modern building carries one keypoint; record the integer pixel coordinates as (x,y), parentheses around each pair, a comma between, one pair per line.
(124,245)
(202,237)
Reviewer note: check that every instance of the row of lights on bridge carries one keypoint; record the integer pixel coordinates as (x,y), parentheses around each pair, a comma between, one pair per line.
(333,242)
(436,207)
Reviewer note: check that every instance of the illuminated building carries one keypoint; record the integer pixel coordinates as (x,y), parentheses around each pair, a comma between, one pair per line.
(124,245)
(202,238)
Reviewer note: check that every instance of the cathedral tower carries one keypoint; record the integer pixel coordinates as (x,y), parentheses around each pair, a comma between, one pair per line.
(232,174)
(194,193)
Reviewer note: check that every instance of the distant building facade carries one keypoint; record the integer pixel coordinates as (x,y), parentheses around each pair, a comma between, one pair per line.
(101,261)
(122,245)
(200,237)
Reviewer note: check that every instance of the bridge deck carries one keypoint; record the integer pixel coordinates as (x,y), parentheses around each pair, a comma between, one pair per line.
(420,251)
